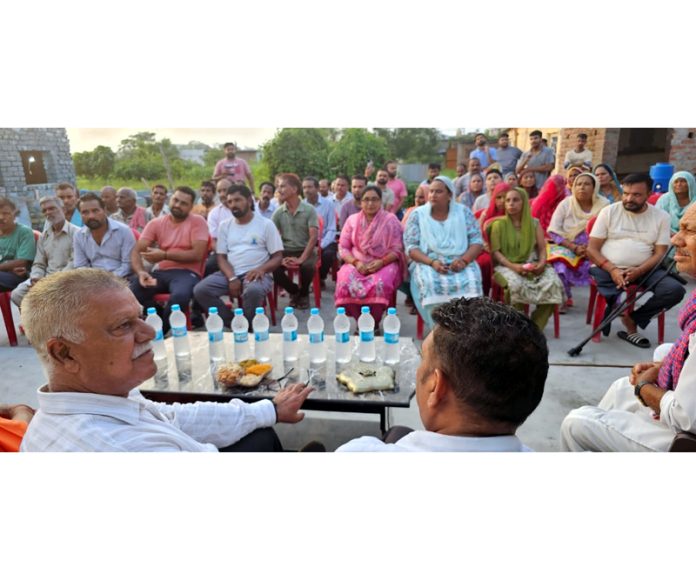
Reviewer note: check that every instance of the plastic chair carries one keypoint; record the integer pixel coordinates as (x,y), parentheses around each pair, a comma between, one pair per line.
(268,302)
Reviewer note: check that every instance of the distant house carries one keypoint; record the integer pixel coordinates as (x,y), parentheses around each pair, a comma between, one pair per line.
(191,154)
(32,162)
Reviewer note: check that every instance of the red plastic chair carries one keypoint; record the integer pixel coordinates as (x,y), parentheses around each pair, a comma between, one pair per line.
(6,307)
(268,302)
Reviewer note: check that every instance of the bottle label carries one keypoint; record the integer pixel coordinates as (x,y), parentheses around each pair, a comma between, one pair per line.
(240,337)
(179,331)
(391,337)
(215,336)
(316,337)
(261,336)
(289,335)
(159,335)
(368,336)
(342,337)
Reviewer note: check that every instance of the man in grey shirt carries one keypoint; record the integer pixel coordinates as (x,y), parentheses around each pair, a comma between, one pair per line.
(508,155)
(538,159)
(102,242)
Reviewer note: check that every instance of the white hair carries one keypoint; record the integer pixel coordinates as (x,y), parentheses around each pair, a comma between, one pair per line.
(128,191)
(55,306)
(52,199)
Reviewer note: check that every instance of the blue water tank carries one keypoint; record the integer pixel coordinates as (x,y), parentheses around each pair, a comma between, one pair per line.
(661,173)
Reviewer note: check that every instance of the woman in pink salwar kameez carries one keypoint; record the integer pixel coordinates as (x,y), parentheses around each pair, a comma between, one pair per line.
(372,249)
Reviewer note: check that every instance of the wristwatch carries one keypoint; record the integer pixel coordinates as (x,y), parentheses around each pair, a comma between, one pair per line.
(639,386)
(233,279)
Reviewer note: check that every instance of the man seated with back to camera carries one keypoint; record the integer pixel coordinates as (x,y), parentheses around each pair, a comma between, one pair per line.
(482,373)
(88,331)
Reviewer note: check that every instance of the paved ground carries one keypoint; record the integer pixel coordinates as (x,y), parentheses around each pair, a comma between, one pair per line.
(572,382)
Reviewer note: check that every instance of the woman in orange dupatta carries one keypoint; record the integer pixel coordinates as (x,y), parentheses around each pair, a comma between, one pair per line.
(495,210)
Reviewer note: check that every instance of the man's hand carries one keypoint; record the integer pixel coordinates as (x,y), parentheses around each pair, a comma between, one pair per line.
(640,368)
(20,271)
(153,255)
(253,275)
(617,277)
(17,412)
(291,263)
(631,275)
(235,288)
(146,281)
(288,402)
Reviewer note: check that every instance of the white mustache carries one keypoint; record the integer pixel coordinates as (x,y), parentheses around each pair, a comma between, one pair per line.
(141,349)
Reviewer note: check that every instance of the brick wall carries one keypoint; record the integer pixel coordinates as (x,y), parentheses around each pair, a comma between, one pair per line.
(682,150)
(604,144)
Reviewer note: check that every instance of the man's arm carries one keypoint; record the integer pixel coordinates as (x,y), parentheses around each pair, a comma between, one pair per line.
(311,244)
(631,275)
(195,254)
(136,260)
(127,245)
(38,269)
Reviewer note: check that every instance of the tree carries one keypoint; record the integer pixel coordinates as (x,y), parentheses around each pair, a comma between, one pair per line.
(412,145)
(97,163)
(354,149)
(142,156)
(300,151)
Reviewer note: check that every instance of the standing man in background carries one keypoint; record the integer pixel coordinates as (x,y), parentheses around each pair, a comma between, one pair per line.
(234,169)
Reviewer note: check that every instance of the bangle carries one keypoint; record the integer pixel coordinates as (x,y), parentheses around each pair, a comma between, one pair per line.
(602,263)
(432,262)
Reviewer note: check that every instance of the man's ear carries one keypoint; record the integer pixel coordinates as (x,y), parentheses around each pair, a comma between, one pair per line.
(438,389)
(60,351)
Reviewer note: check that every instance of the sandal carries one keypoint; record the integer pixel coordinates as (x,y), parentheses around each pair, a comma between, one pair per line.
(635,339)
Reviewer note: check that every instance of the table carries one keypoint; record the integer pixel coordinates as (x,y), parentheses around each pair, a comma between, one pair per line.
(329,395)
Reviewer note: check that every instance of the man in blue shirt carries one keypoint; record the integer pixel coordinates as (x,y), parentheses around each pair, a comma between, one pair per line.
(326,209)
(485,154)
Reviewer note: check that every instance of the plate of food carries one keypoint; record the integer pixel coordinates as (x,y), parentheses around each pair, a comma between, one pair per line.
(246,374)
(364,378)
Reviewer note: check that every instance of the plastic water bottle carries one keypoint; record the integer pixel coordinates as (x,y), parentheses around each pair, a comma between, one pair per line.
(159,350)
(342,333)
(216,346)
(392,326)
(289,325)
(182,346)
(315,329)
(262,348)
(366,326)
(240,330)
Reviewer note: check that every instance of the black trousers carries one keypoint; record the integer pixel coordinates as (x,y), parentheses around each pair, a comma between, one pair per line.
(260,441)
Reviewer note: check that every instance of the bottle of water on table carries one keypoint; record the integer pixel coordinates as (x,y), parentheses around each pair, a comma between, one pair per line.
(240,331)
(262,348)
(158,348)
(392,326)
(216,346)
(289,325)
(342,333)
(315,329)
(182,346)
(366,327)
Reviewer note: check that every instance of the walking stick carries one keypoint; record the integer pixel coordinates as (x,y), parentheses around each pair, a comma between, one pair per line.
(621,308)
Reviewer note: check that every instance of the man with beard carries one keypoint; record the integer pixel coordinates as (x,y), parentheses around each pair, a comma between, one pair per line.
(387,194)
(233,169)
(397,186)
(508,155)
(69,197)
(325,209)
(324,187)
(248,250)
(54,249)
(538,159)
(108,195)
(207,203)
(627,241)
(485,154)
(268,203)
(357,184)
(17,247)
(102,242)
(181,241)
(342,196)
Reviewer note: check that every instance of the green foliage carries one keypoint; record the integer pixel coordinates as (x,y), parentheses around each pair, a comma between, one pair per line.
(300,151)
(97,163)
(354,149)
(412,145)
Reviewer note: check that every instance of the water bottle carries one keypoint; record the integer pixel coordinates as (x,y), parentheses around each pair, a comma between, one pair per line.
(216,347)
(182,347)
(289,326)
(392,326)
(342,333)
(366,326)
(240,330)
(315,329)
(262,349)
(158,348)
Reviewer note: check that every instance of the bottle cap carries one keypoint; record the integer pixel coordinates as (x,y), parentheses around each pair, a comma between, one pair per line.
(176,308)
(365,310)
(340,310)
(259,310)
(391,311)
(289,310)
(238,312)
(212,310)
(151,310)
(314,311)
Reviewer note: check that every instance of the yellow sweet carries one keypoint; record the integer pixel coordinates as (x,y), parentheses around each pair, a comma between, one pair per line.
(259,369)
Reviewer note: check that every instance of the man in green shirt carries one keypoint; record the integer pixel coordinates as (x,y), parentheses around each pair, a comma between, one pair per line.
(298,225)
(17,247)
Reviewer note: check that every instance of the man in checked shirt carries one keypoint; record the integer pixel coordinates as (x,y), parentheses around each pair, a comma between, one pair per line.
(87,329)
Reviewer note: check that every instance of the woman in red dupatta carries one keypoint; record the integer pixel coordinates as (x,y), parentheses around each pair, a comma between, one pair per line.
(552,193)
(495,210)
(372,249)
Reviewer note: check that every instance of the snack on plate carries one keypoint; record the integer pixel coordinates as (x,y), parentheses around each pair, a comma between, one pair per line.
(249,380)
(229,373)
(259,369)
(249,362)
(362,378)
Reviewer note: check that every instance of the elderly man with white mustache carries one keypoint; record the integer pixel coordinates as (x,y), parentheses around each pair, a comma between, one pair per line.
(87,329)
(645,411)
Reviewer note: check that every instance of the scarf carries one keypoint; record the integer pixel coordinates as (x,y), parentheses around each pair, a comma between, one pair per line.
(515,245)
(532,191)
(552,193)
(383,235)
(579,216)
(669,202)
(671,368)
(616,185)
